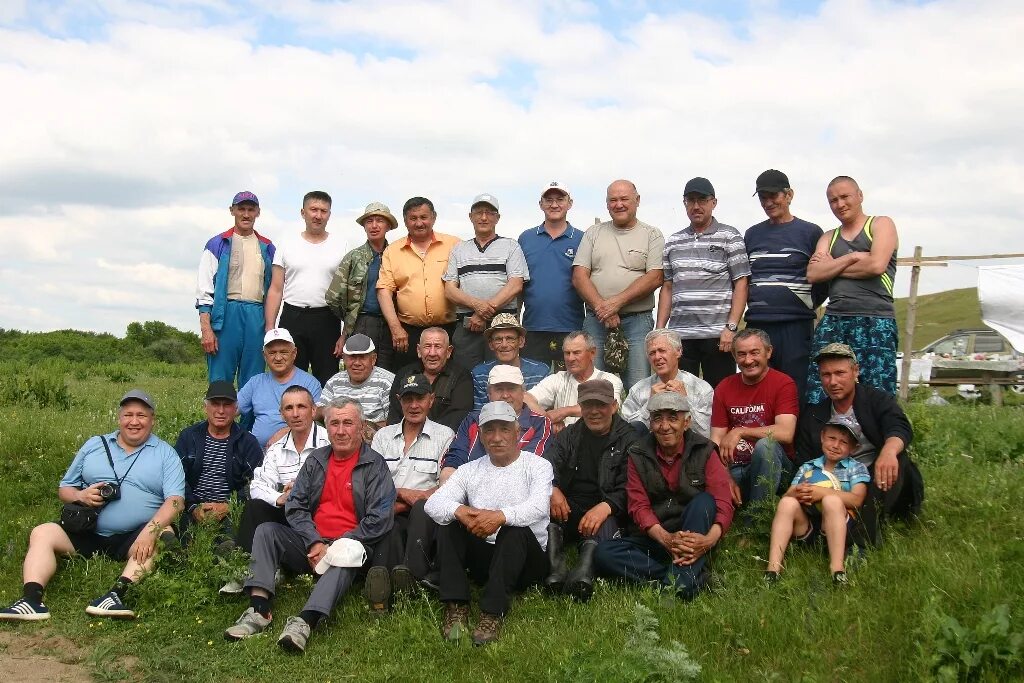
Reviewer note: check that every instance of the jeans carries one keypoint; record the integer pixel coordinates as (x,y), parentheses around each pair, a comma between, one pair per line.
(636,326)
(759,479)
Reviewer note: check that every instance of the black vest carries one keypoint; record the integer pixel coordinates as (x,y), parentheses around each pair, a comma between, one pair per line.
(667,505)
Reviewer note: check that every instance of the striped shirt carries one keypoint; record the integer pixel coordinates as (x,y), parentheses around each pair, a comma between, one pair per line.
(420,467)
(372,395)
(482,272)
(212,486)
(702,268)
(779,254)
(282,463)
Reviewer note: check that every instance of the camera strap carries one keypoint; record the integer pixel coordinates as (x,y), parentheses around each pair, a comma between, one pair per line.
(110,460)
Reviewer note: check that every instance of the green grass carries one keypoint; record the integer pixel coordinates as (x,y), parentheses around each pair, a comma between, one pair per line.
(961,560)
(940,313)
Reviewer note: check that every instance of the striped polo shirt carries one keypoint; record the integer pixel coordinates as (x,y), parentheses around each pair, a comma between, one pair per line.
(373,395)
(482,271)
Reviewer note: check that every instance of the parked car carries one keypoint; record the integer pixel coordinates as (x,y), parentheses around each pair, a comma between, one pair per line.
(982,344)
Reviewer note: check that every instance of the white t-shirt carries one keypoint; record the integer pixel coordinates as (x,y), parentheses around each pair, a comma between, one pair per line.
(308,268)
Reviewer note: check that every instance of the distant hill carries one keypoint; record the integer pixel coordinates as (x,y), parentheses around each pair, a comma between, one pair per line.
(941,313)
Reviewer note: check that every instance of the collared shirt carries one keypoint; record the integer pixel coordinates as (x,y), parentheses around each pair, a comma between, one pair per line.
(419,467)
(534,432)
(282,463)
(562,389)
(482,272)
(260,400)
(551,303)
(847,471)
(417,280)
(533,372)
(699,393)
(155,475)
(616,257)
(371,395)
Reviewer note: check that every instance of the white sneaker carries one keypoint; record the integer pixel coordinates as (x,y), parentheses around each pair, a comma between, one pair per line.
(249,624)
(231,588)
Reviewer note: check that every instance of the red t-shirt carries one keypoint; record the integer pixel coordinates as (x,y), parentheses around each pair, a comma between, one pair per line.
(753,405)
(336,514)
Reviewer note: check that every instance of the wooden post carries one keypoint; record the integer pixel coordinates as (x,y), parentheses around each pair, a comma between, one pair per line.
(908,334)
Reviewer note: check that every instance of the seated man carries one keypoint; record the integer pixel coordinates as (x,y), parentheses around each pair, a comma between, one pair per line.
(588,502)
(679,503)
(450,382)
(218,457)
(555,395)
(342,492)
(363,382)
(493,514)
(259,401)
(272,481)
(664,349)
(135,481)
(883,434)
(413,449)
(505,383)
(505,338)
(753,419)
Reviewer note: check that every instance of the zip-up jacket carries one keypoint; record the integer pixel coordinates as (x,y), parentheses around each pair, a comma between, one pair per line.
(373,492)
(243,456)
(212,280)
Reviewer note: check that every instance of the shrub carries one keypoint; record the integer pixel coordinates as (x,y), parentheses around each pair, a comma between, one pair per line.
(960,653)
(37,389)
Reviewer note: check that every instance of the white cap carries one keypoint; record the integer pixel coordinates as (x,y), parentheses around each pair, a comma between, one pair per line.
(501,374)
(485,199)
(555,185)
(345,552)
(497,410)
(278,334)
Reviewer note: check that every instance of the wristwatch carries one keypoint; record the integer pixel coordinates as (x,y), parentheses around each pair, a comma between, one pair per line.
(732,327)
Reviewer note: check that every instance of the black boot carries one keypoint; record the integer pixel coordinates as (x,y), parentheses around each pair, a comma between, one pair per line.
(580,584)
(556,557)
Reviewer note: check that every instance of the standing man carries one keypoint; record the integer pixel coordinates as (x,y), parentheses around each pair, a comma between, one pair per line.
(234,276)
(484,277)
(781,301)
(705,289)
(450,383)
(858,261)
(506,338)
(303,267)
(616,270)
(552,306)
(363,382)
(353,291)
(410,289)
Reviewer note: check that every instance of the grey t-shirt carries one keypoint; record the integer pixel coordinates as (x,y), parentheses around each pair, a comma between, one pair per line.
(866,452)
(483,272)
(617,257)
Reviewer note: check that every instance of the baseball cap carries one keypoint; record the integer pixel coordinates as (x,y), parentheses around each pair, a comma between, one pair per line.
(555,185)
(222,389)
(596,390)
(836,350)
(668,400)
(378,209)
(138,395)
(485,199)
(415,384)
(504,321)
(771,180)
(278,334)
(700,186)
(245,196)
(843,423)
(344,552)
(497,410)
(358,344)
(501,374)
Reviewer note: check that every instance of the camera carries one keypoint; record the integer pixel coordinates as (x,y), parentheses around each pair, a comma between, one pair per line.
(109,492)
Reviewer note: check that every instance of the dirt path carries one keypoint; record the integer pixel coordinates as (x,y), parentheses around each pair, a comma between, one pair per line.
(38,656)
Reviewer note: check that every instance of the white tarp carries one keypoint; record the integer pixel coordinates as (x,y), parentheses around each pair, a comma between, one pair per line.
(1000,291)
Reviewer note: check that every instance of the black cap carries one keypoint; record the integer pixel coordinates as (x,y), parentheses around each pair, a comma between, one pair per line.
(700,186)
(415,384)
(771,180)
(222,389)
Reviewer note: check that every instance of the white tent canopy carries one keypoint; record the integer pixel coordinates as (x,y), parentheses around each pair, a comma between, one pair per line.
(1001,293)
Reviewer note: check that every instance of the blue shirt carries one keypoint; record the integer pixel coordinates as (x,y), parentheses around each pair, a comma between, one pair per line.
(848,471)
(551,302)
(533,372)
(155,476)
(466,446)
(259,402)
(779,290)
(370,303)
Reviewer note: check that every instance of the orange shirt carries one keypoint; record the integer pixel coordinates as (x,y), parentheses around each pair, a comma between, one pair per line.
(336,513)
(417,280)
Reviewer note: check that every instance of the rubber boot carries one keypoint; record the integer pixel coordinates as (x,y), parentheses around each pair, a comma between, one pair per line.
(556,557)
(580,584)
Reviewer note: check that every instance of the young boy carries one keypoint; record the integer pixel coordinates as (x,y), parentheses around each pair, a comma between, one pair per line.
(799,517)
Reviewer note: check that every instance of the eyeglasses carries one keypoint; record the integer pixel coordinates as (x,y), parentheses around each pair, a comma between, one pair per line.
(554,201)
(485,212)
(698,201)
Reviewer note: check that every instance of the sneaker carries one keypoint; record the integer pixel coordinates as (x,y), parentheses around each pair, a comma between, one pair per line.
(23,610)
(249,624)
(771,578)
(839,579)
(456,620)
(378,590)
(432,582)
(231,588)
(487,629)
(402,580)
(295,635)
(109,605)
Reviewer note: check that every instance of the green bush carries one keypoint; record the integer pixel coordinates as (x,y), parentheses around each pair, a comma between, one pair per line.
(960,653)
(36,388)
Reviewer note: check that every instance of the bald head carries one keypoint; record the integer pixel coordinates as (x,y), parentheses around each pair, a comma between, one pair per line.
(622,200)
(844,179)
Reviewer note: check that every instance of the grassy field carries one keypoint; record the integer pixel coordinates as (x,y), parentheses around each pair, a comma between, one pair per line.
(940,313)
(895,622)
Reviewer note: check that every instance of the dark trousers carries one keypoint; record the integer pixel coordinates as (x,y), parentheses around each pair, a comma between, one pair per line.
(641,558)
(403,358)
(515,561)
(410,542)
(316,331)
(879,504)
(701,357)
(254,513)
(376,328)
(471,347)
(571,526)
(791,348)
(545,347)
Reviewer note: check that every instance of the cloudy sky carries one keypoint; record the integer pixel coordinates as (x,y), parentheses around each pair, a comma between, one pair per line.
(129,125)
